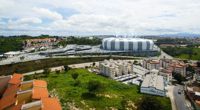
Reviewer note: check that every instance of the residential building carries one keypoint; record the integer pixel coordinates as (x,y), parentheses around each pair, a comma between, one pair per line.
(23,95)
(140,70)
(166,73)
(179,68)
(40,43)
(115,68)
(151,64)
(166,65)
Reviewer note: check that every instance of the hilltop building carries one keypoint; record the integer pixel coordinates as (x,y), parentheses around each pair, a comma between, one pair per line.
(39,43)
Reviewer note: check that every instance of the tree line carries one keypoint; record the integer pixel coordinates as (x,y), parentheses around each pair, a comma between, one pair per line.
(80,41)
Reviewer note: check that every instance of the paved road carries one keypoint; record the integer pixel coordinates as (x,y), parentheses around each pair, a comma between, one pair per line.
(162,54)
(179,98)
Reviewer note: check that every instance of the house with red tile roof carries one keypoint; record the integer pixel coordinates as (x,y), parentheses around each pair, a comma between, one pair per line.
(40,42)
(19,95)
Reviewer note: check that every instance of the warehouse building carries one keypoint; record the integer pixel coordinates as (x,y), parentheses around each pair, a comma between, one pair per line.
(153,84)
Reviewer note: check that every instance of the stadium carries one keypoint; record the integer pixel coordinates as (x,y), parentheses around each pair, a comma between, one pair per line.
(127,44)
(110,46)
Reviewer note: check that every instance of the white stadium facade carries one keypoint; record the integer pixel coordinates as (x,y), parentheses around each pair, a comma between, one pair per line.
(127,44)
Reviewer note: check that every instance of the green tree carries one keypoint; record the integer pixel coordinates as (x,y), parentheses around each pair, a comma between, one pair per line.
(149,103)
(94,86)
(135,62)
(57,71)
(198,64)
(66,68)
(46,71)
(190,69)
(74,75)
(178,77)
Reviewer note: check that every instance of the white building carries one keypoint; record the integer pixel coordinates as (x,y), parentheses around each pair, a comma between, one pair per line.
(140,70)
(12,54)
(153,84)
(115,68)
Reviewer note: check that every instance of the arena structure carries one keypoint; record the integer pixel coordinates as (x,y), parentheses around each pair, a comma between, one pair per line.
(127,44)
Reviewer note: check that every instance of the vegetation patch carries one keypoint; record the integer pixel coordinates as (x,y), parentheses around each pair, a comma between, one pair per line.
(192,53)
(96,92)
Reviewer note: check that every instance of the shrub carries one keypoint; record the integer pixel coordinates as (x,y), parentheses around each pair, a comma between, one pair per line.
(149,103)
(66,68)
(77,83)
(57,71)
(46,71)
(74,75)
(94,86)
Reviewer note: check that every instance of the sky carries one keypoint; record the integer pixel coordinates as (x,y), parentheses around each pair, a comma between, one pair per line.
(99,17)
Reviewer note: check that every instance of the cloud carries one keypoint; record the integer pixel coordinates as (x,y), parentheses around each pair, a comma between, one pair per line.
(132,17)
(46,13)
(32,20)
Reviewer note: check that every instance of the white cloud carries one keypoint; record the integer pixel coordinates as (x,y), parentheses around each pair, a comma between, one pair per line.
(27,21)
(105,16)
(46,13)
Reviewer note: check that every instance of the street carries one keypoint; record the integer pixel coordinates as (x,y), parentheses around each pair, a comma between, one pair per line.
(180,100)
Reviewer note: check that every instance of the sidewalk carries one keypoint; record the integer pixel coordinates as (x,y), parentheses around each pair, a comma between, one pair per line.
(170,94)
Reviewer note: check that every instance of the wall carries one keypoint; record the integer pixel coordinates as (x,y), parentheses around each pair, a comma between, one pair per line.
(26,86)
(24,97)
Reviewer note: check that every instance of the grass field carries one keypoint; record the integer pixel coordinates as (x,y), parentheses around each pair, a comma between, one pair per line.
(112,96)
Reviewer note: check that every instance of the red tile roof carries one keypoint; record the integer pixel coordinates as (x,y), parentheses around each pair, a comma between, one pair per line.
(11,89)
(39,92)
(50,104)
(7,101)
(16,79)
(39,83)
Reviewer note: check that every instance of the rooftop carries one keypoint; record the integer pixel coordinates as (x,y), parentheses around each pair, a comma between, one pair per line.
(16,79)
(153,80)
(39,83)
(7,101)
(51,104)
(11,89)
(154,62)
(39,92)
